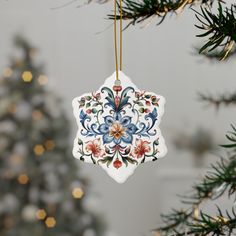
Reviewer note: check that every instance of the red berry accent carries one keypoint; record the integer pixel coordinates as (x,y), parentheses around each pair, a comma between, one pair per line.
(117,163)
(148,103)
(89,111)
(147,110)
(117,88)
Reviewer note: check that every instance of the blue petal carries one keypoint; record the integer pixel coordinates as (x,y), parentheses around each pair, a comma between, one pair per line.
(116,141)
(103,128)
(125,121)
(82,115)
(128,138)
(109,120)
(131,129)
(117,116)
(107,138)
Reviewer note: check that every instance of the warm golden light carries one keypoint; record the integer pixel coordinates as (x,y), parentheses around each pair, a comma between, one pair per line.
(39,149)
(41,214)
(37,115)
(221,219)
(50,222)
(23,179)
(49,144)
(42,79)
(27,76)
(7,72)
(196,213)
(77,193)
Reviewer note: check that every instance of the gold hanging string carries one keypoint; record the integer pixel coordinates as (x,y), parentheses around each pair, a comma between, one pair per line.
(115,38)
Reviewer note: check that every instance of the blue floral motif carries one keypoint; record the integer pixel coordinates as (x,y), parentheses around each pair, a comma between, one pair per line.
(117,126)
(117,129)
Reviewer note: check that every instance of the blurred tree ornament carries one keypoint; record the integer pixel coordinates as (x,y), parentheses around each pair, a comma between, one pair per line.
(118,125)
(36,167)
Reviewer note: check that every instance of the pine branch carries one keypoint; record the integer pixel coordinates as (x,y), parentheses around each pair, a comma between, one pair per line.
(222,177)
(220,28)
(229,99)
(215,55)
(213,225)
(216,182)
(202,225)
(137,12)
(231,136)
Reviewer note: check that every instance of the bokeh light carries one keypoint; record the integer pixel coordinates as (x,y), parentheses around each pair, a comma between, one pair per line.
(77,193)
(23,179)
(41,214)
(39,149)
(42,80)
(50,222)
(27,76)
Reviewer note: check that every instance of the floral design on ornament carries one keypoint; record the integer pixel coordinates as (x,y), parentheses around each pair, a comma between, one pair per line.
(120,137)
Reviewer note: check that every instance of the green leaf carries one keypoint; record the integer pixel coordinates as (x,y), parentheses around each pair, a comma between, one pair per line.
(107,160)
(88,98)
(140,104)
(80,142)
(141,110)
(127,151)
(88,104)
(94,110)
(132,161)
(95,104)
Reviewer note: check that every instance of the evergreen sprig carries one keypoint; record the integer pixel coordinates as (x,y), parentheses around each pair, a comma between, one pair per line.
(221,224)
(203,224)
(220,28)
(231,136)
(139,11)
(221,177)
(193,221)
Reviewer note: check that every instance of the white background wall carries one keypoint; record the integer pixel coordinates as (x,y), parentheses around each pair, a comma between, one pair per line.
(157,59)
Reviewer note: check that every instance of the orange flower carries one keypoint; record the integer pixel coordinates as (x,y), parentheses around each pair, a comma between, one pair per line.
(117,130)
(94,147)
(141,148)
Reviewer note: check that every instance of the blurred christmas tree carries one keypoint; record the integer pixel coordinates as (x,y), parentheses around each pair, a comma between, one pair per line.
(42,192)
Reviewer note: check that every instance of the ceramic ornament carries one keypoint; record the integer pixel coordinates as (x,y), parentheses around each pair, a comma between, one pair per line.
(118,127)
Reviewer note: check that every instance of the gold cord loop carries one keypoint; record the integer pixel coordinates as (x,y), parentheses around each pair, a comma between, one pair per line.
(115,38)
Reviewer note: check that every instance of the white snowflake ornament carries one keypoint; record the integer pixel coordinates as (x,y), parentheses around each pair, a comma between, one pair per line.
(118,127)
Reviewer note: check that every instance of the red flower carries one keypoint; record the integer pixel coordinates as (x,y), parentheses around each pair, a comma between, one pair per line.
(141,148)
(117,163)
(94,147)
